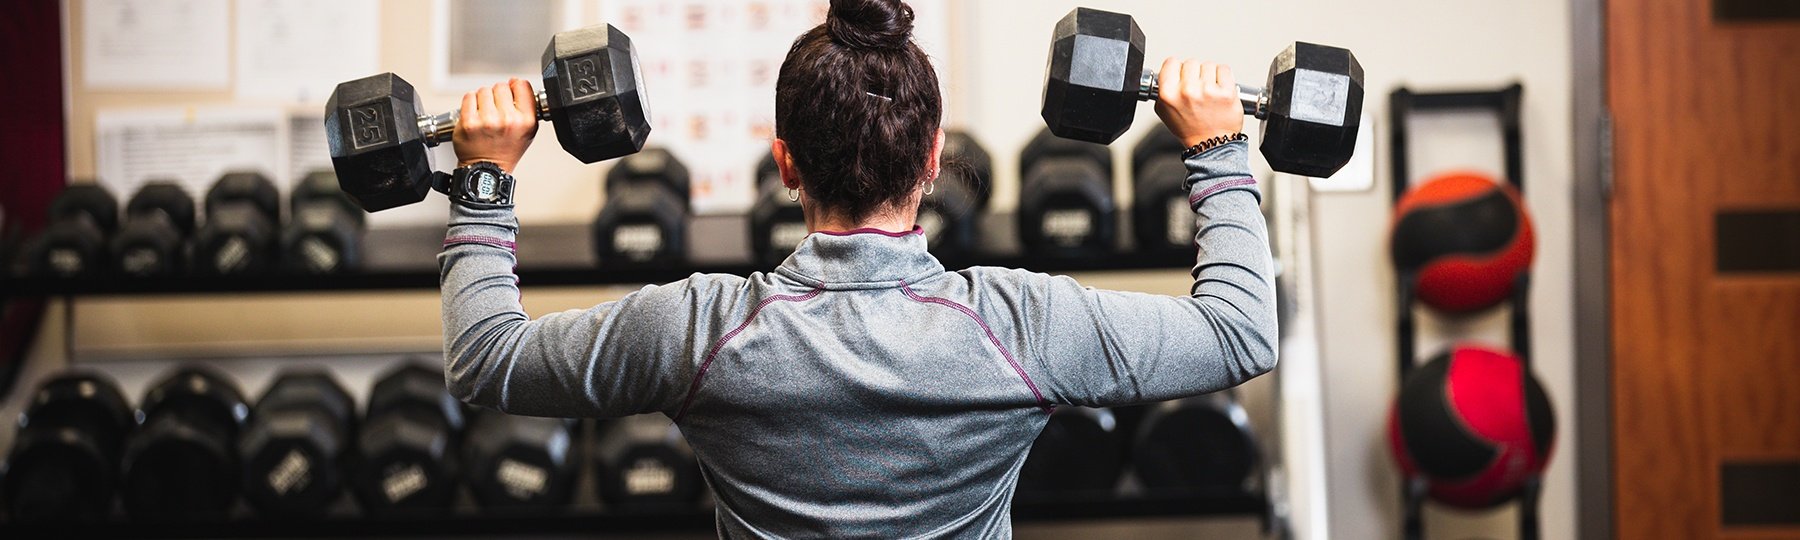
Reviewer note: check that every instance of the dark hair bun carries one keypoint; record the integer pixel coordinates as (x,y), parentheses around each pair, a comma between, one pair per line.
(870,24)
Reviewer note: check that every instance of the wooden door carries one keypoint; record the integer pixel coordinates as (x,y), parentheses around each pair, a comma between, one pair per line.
(1705,281)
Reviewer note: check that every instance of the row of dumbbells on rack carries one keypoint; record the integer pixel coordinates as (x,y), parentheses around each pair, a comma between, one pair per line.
(160,233)
(194,448)
(1066,209)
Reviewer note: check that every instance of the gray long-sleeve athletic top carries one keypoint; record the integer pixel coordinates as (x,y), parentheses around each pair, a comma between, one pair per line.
(860,390)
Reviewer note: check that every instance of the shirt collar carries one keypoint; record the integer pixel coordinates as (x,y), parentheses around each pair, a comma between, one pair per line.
(861,259)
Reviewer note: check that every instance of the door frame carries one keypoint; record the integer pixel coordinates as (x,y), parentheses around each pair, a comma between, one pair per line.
(1592,137)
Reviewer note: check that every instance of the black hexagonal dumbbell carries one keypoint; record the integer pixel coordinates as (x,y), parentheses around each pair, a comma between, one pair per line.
(408,442)
(777,224)
(324,234)
(1080,452)
(1196,445)
(1311,107)
(644,464)
(64,462)
(593,94)
(153,239)
(952,211)
(1161,218)
(520,462)
(181,463)
(240,235)
(644,220)
(297,449)
(1066,206)
(74,243)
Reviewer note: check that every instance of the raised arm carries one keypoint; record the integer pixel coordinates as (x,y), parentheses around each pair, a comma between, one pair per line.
(1101,348)
(614,359)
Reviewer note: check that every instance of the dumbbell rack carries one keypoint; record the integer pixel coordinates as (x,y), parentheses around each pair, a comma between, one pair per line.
(407,261)
(1505,103)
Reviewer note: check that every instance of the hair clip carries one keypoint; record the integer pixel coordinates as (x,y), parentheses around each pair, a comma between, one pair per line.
(883,98)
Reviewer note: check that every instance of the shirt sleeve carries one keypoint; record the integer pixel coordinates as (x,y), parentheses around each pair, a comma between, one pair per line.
(1104,348)
(614,359)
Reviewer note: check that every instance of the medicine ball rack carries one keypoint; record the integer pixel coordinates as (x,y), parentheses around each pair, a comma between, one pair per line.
(1506,103)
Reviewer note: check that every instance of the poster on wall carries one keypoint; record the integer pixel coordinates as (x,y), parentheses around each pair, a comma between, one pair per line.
(478,42)
(710,68)
(298,50)
(189,146)
(158,44)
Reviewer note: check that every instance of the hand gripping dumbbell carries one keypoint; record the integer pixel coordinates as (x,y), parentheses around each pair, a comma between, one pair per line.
(324,234)
(243,210)
(64,462)
(153,239)
(644,220)
(1311,106)
(182,462)
(593,94)
(297,448)
(74,243)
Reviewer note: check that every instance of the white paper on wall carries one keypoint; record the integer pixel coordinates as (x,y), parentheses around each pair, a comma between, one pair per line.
(298,50)
(192,147)
(710,68)
(162,44)
(481,42)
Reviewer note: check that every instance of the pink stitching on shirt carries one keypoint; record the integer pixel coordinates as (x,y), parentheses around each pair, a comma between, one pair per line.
(866,230)
(481,240)
(1221,186)
(1042,403)
(694,387)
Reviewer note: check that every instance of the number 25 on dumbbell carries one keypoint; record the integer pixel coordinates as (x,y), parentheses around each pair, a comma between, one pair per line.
(593,94)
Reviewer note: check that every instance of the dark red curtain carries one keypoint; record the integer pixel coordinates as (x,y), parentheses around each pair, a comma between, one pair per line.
(31,147)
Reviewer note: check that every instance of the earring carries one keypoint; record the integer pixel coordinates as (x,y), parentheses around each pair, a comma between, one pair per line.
(794,194)
(930,187)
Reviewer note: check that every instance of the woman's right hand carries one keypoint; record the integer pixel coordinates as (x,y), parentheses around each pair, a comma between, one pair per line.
(1198,100)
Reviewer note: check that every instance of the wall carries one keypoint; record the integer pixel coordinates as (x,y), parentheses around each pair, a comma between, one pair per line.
(999,53)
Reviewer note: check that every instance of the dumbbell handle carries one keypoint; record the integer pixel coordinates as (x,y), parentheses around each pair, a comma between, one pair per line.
(436,129)
(1255,100)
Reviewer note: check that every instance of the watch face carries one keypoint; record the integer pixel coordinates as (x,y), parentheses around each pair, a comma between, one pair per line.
(484,186)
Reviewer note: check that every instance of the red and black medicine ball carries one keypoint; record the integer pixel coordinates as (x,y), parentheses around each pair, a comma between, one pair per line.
(1465,238)
(1474,423)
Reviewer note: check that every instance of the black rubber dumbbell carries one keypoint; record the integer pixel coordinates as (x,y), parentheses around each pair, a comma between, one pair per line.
(181,463)
(1196,445)
(324,234)
(1079,453)
(644,220)
(297,450)
(1066,206)
(240,236)
(409,443)
(64,462)
(82,217)
(1311,106)
(777,225)
(1162,221)
(520,462)
(950,214)
(153,239)
(644,464)
(592,94)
